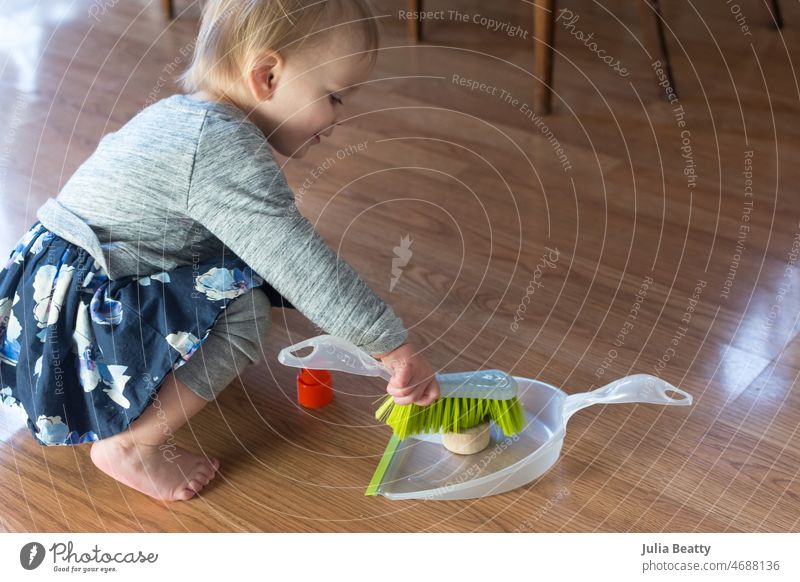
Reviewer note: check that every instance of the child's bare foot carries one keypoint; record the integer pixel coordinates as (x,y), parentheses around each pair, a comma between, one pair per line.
(168,473)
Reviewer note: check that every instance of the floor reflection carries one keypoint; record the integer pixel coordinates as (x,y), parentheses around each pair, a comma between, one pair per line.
(22,32)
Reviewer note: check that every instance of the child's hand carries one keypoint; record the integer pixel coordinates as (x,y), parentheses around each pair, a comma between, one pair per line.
(413,380)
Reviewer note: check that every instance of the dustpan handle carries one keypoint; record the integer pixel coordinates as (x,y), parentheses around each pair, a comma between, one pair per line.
(331,352)
(642,388)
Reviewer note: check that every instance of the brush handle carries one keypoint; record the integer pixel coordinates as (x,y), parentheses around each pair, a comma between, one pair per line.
(484,384)
(330,352)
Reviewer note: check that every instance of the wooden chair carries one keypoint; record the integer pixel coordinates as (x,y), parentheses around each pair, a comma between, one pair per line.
(775,9)
(544,23)
(168,9)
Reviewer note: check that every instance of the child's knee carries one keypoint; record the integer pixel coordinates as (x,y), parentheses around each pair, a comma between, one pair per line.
(235,341)
(246,322)
(262,316)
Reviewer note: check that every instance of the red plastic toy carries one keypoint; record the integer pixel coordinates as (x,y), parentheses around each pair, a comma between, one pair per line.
(314,388)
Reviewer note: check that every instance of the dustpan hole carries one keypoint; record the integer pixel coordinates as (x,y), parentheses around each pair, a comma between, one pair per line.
(674,395)
(296,353)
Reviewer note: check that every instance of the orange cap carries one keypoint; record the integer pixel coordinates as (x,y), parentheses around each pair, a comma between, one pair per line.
(314,388)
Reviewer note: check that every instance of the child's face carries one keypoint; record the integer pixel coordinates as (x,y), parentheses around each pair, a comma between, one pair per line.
(298,100)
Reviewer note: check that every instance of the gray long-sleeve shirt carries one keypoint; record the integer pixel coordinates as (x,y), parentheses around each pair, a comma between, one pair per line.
(182,180)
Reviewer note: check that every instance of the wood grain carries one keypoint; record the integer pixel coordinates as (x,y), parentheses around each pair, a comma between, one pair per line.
(478,187)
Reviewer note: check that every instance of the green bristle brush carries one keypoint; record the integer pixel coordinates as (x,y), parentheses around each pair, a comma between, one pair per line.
(467,399)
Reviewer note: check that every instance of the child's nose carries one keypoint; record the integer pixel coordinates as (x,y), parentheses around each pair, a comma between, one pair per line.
(330,129)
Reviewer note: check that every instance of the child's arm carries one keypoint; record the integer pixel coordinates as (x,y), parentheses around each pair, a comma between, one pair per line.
(240,195)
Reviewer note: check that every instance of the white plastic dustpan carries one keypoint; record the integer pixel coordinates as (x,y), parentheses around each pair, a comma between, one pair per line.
(419,467)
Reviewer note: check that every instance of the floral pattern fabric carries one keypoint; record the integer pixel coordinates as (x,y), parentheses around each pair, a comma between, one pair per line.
(82,356)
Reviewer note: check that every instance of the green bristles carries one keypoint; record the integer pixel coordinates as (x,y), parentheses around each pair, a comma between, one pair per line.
(451,415)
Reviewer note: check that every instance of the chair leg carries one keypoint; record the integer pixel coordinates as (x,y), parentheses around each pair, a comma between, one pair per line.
(414,24)
(655,41)
(543,23)
(777,18)
(168,9)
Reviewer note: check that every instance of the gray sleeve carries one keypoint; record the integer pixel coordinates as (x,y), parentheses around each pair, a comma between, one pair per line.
(240,195)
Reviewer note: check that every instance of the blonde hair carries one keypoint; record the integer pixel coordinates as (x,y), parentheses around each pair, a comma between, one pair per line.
(234,33)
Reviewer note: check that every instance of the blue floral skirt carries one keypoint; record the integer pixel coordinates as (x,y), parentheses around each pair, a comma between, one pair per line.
(82,356)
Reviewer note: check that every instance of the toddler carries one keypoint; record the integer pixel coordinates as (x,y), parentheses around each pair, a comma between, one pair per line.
(145,286)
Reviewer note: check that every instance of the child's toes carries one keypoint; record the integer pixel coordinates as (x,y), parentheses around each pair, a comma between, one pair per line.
(183,494)
(202,474)
(195,484)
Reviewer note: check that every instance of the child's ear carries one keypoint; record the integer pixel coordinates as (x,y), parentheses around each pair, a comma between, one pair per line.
(262,78)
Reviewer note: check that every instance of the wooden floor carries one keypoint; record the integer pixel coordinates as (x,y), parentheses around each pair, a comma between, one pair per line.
(479,188)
